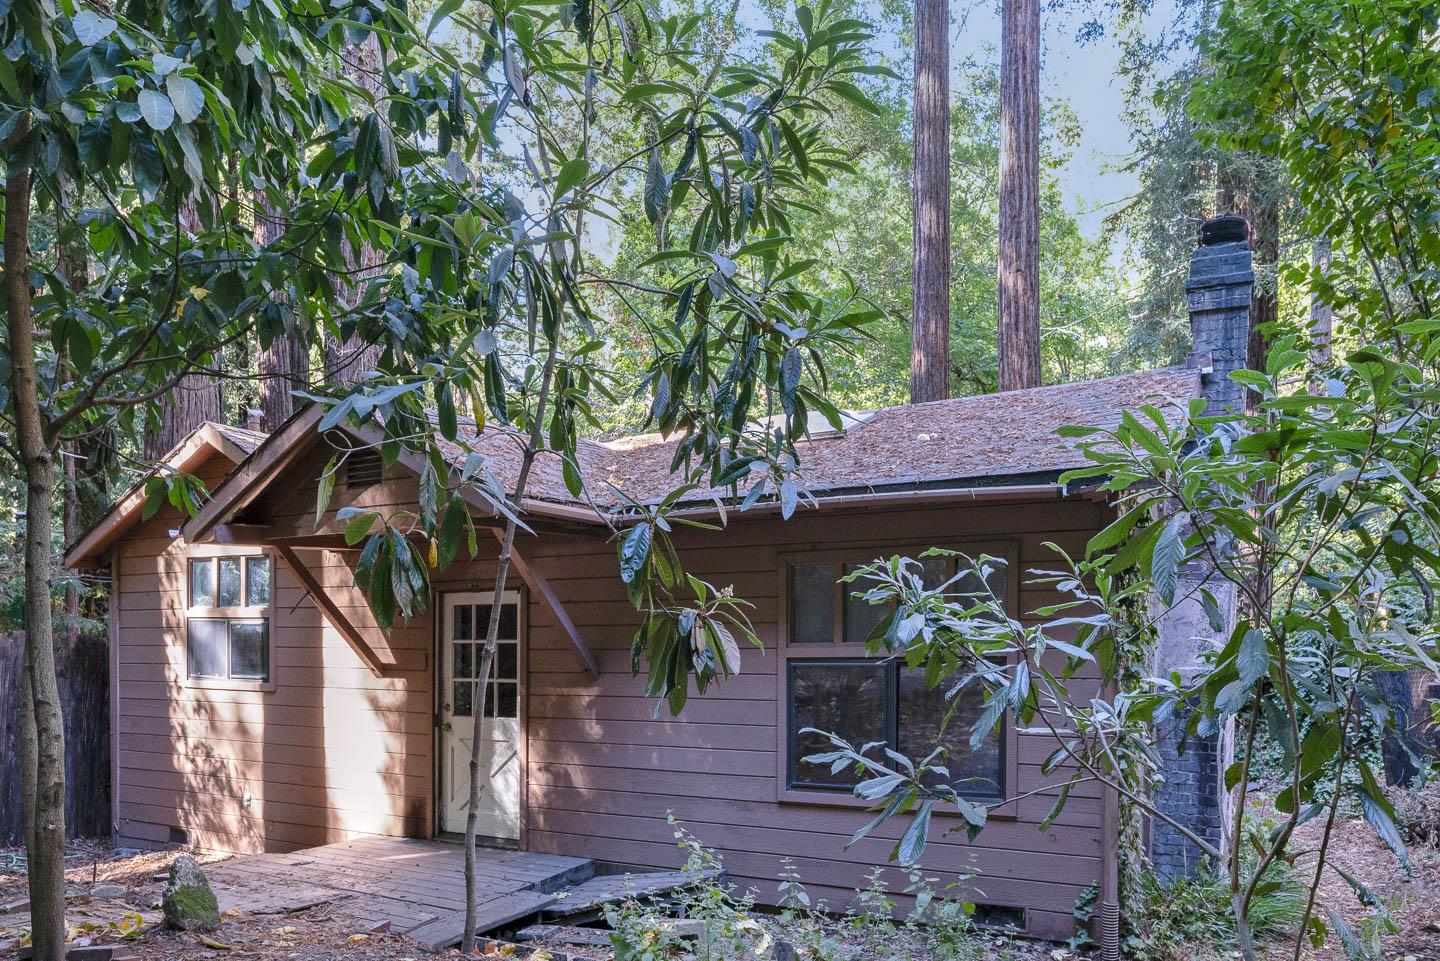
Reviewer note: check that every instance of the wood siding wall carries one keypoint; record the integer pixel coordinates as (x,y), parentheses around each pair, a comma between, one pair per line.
(333,751)
(329,752)
(603,773)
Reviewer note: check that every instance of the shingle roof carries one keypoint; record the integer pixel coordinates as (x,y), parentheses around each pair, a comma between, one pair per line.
(962,439)
(967,441)
(242,437)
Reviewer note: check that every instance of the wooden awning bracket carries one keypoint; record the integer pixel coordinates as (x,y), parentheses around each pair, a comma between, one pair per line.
(333,614)
(537,583)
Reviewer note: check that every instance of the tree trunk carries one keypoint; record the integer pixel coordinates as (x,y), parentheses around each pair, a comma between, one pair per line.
(196,398)
(1018,274)
(478,772)
(1265,301)
(930,309)
(285,364)
(43,736)
(348,360)
(1321,321)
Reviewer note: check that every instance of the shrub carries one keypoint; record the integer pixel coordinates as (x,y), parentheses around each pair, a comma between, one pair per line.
(1191,919)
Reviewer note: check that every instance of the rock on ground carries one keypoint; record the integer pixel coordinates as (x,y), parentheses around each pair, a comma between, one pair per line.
(188,902)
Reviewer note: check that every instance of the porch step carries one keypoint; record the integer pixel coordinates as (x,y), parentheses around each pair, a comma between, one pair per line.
(565,934)
(588,898)
(447,931)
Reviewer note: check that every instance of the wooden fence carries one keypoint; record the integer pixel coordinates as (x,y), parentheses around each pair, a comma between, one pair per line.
(84,693)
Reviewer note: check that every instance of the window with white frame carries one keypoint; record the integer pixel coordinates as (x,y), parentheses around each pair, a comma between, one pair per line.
(833,684)
(227,622)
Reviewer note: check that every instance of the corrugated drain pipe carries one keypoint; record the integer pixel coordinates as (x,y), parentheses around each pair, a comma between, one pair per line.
(1108,915)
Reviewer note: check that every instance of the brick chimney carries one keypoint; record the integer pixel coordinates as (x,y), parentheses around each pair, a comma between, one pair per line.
(1192,767)
(1219,288)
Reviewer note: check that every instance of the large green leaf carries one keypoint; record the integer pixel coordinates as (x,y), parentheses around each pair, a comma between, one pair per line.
(186,96)
(156,108)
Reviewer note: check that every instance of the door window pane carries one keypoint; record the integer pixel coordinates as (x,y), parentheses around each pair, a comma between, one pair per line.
(202,582)
(463,705)
(861,617)
(257,581)
(507,662)
(848,699)
(464,623)
(507,700)
(812,604)
(250,650)
(922,709)
(229,595)
(509,622)
(208,642)
(462,663)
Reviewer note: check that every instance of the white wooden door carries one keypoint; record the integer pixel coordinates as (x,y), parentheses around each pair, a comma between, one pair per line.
(466,620)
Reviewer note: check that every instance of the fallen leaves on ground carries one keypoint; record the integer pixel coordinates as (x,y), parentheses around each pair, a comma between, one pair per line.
(1356,850)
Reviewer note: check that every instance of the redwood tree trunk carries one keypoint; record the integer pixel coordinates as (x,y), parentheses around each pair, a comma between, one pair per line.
(284,365)
(43,729)
(1018,272)
(347,361)
(196,398)
(1265,302)
(930,310)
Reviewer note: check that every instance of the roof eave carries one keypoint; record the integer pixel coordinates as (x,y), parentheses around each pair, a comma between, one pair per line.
(193,450)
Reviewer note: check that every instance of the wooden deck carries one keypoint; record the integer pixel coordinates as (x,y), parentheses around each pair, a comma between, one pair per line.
(417,886)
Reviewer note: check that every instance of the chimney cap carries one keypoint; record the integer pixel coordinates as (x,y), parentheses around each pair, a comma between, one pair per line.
(1224,229)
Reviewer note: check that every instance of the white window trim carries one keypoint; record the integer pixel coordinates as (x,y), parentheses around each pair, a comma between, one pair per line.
(242,612)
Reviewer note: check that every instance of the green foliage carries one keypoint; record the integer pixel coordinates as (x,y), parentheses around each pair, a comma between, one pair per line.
(855,225)
(1084,913)
(725,929)
(1184,917)
(719,924)
(1344,96)
(491,309)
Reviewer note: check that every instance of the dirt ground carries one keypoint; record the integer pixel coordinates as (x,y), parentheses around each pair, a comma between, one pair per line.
(322,933)
(1355,849)
(326,933)
(134,918)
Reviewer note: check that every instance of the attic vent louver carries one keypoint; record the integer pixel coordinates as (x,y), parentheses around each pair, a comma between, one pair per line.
(362,469)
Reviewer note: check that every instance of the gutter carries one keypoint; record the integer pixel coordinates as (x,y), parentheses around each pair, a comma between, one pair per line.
(1024,492)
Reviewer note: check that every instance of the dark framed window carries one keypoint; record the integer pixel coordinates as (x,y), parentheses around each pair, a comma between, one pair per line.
(864,700)
(227,625)
(834,684)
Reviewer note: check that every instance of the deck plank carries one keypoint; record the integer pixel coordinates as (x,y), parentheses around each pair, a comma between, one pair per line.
(416,885)
(447,931)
